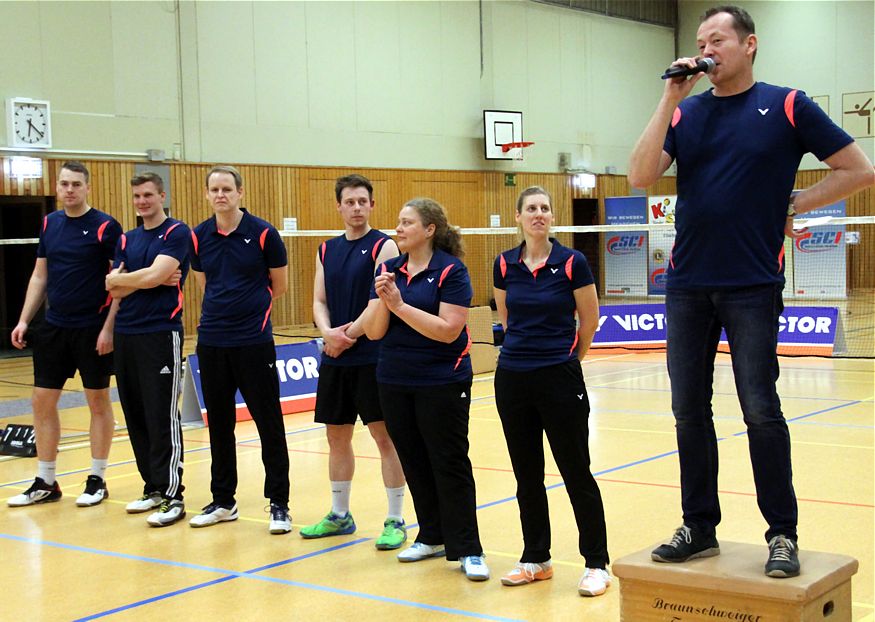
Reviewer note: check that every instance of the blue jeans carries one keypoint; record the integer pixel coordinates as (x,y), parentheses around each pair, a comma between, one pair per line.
(750,317)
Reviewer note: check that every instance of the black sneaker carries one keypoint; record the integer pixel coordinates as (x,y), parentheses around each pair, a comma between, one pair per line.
(39,492)
(687,543)
(95,492)
(783,559)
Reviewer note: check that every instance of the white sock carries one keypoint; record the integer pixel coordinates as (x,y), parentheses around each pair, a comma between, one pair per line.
(396,502)
(98,467)
(46,471)
(340,497)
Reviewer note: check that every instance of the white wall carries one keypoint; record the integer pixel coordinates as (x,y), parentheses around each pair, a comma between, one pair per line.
(822,48)
(383,84)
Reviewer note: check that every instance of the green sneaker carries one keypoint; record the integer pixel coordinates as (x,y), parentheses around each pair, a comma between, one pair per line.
(393,536)
(331,525)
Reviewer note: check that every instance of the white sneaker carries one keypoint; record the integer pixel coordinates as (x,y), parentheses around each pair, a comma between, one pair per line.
(95,492)
(144,503)
(39,492)
(169,512)
(212,514)
(474,567)
(419,551)
(594,582)
(280,521)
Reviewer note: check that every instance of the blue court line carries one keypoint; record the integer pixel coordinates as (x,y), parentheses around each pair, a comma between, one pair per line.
(249,574)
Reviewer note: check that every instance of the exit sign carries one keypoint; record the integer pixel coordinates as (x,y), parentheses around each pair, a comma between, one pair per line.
(510,179)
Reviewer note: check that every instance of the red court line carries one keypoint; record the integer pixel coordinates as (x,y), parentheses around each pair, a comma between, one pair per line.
(732,492)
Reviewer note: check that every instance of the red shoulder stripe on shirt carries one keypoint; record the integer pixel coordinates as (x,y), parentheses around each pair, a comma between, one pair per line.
(781,259)
(502,265)
(574,345)
(377,246)
(262,238)
(45,222)
(100,231)
(568,267)
(194,241)
(322,250)
(124,241)
(444,274)
(676,117)
(789,102)
(171,228)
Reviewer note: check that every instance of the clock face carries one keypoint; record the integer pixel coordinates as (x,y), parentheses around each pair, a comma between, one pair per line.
(31,123)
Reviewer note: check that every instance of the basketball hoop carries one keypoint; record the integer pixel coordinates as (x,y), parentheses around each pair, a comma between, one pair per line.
(515,150)
(508,146)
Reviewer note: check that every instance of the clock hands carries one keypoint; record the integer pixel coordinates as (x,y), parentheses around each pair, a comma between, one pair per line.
(31,126)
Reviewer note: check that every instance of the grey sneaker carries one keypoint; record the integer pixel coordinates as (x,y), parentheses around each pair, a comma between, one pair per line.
(686,543)
(783,559)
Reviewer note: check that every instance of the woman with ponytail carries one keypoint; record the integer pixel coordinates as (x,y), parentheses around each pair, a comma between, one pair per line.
(540,286)
(419,310)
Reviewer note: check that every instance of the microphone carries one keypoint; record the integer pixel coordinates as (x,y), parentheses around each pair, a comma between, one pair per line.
(704,65)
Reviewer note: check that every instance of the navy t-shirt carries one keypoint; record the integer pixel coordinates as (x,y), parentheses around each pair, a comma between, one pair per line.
(541,328)
(78,252)
(348,267)
(157,308)
(737,158)
(408,357)
(238,298)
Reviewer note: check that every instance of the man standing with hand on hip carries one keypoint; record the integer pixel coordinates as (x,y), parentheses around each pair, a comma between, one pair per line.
(737,147)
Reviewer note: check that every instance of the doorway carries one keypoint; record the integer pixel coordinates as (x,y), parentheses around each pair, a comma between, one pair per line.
(20,217)
(585,212)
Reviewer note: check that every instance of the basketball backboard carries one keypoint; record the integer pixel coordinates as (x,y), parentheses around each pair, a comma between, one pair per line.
(501,127)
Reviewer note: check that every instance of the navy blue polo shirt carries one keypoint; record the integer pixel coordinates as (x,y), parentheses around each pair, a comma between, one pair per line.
(78,252)
(348,267)
(408,357)
(541,328)
(157,308)
(737,158)
(238,298)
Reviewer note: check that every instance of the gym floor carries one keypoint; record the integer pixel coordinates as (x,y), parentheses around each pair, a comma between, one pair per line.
(62,562)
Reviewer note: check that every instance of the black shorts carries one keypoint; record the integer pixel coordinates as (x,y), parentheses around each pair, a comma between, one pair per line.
(58,352)
(343,393)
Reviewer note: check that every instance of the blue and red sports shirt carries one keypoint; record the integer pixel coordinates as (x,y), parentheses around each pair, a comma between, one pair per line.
(348,267)
(158,308)
(238,298)
(408,357)
(78,252)
(737,158)
(541,328)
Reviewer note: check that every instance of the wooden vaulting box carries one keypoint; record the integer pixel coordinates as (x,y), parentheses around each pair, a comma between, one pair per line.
(732,586)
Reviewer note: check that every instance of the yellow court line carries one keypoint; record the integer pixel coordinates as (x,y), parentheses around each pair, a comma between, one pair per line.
(864,606)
